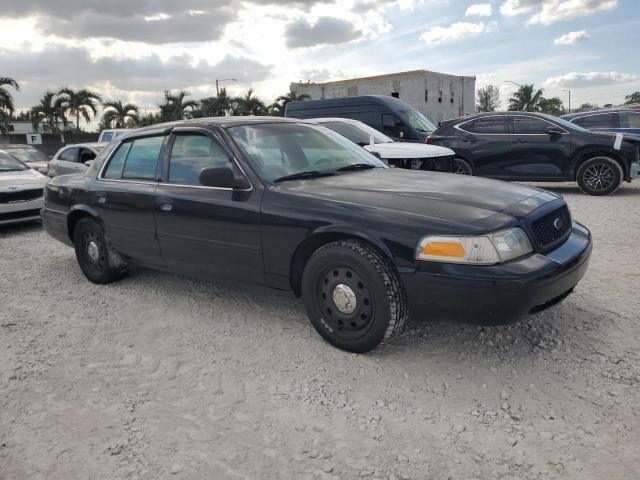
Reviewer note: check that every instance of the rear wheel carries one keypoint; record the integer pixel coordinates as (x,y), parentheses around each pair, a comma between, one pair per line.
(599,176)
(353,296)
(99,263)
(461,167)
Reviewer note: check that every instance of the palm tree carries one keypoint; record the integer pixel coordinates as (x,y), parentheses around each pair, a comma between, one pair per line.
(175,107)
(248,104)
(6,99)
(526,99)
(79,103)
(48,111)
(277,107)
(217,106)
(117,115)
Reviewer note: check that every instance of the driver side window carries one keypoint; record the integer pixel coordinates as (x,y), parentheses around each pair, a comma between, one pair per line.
(391,125)
(191,153)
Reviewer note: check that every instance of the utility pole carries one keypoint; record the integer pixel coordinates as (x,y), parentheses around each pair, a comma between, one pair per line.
(519,86)
(566,90)
(223,80)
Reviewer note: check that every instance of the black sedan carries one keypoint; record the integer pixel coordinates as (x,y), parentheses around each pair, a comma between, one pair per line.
(294,205)
(536,147)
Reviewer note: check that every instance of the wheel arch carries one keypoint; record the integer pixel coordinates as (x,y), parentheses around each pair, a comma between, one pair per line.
(322,237)
(585,154)
(78,212)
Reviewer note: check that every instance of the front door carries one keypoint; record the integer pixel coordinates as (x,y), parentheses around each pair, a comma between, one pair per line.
(66,162)
(205,231)
(538,154)
(124,196)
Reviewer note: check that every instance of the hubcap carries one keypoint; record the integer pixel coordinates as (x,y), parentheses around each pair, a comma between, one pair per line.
(92,250)
(599,176)
(344,298)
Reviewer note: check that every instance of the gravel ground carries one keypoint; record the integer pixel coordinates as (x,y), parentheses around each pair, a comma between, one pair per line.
(160,376)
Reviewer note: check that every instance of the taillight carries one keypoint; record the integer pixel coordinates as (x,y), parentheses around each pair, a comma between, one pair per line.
(429,140)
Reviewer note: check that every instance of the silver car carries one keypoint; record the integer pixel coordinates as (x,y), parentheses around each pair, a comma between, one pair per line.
(33,157)
(74,158)
(21,191)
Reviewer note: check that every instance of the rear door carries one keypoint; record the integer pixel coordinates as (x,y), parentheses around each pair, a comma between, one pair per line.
(630,122)
(124,196)
(208,232)
(536,154)
(486,142)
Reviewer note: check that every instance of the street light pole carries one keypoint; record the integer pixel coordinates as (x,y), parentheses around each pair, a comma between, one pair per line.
(519,86)
(566,90)
(223,80)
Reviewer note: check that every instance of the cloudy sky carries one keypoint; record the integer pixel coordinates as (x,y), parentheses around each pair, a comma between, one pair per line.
(135,49)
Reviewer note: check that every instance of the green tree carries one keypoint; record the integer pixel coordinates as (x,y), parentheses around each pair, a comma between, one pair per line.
(526,99)
(552,106)
(587,107)
(629,99)
(176,107)
(79,103)
(216,106)
(248,104)
(488,99)
(49,112)
(117,115)
(147,119)
(6,101)
(277,108)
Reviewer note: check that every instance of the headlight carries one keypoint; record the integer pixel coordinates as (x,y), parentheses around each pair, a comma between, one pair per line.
(482,250)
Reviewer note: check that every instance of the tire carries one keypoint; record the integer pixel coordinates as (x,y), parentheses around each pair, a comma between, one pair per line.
(461,167)
(599,175)
(369,312)
(99,263)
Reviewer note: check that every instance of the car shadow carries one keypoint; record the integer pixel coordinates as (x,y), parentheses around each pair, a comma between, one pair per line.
(20,228)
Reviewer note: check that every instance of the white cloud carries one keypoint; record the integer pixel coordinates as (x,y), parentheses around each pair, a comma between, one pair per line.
(457,31)
(558,10)
(479,10)
(552,11)
(590,79)
(571,38)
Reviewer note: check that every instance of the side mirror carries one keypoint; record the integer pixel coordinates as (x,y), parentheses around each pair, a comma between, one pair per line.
(553,130)
(222,177)
(88,163)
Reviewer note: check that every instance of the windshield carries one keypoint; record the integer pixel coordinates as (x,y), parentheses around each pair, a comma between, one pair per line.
(418,121)
(357,133)
(11,164)
(277,150)
(28,155)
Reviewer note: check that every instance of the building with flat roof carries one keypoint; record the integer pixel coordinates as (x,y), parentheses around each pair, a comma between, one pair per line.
(439,96)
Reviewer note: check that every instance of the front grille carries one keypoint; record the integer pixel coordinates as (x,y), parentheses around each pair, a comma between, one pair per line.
(20,195)
(551,228)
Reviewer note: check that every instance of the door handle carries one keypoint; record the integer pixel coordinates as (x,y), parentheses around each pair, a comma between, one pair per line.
(469,139)
(166,203)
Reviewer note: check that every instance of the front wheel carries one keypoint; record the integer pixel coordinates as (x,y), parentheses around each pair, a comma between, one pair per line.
(353,296)
(599,176)
(99,263)
(461,167)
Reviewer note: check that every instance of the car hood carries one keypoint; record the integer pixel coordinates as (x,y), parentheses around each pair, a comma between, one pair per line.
(408,150)
(21,180)
(459,200)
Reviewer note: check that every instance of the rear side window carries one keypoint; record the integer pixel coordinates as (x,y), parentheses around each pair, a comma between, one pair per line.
(489,125)
(629,119)
(142,158)
(190,154)
(114,169)
(603,120)
(69,155)
(529,126)
(107,136)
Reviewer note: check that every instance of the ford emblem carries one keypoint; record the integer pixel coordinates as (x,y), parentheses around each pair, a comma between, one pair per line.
(557,223)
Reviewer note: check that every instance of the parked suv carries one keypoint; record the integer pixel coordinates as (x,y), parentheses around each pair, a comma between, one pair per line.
(623,120)
(536,147)
(293,205)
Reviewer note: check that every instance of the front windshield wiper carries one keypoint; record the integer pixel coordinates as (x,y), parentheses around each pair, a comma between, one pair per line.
(303,175)
(356,166)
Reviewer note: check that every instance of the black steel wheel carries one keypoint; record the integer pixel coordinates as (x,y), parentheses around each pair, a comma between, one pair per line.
(96,259)
(353,296)
(461,167)
(599,176)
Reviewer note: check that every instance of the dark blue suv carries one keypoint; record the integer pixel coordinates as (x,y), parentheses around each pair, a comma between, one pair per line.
(623,120)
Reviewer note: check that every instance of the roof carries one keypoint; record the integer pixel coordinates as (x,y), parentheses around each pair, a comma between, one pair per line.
(382,77)
(16,145)
(222,121)
(630,108)
(391,102)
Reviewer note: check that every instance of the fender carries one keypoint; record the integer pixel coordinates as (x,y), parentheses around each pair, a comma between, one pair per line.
(580,154)
(76,212)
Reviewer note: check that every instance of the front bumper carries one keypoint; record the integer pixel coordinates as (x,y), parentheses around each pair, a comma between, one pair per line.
(17,212)
(498,294)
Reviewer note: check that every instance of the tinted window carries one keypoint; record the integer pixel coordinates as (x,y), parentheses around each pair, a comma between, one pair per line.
(143,158)
(191,154)
(86,155)
(69,155)
(629,119)
(494,125)
(391,125)
(603,120)
(114,169)
(28,155)
(529,125)
(107,136)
